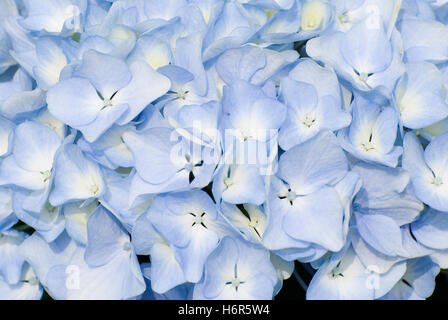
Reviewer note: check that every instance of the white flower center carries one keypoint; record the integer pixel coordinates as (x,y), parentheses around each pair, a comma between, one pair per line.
(253,223)
(188,166)
(46,175)
(313,14)
(94,189)
(336,271)
(437,181)
(244,134)
(363,76)
(236,282)
(33,281)
(127,246)
(309,120)
(182,94)
(198,219)
(228,182)
(367,146)
(343,18)
(291,196)
(106,103)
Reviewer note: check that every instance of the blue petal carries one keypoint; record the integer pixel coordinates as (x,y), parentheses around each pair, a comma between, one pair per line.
(323,162)
(106,238)
(81,101)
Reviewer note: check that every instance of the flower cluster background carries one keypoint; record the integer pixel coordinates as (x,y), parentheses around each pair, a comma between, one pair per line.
(206,149)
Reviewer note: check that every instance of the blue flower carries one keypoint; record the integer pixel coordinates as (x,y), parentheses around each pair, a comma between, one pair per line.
(372,133)
(344,277)
(69,271)
(417,283)
(76,177)
(199,229)
(380,232)
(427,169)
(366,56)
(107,91)
(237,270)
(420,97)
(313,104)
(54,17)
(30,165)
(298,218)
(424,40)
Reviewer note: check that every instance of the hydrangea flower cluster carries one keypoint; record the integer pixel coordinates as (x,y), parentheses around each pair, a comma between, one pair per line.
(197,149)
